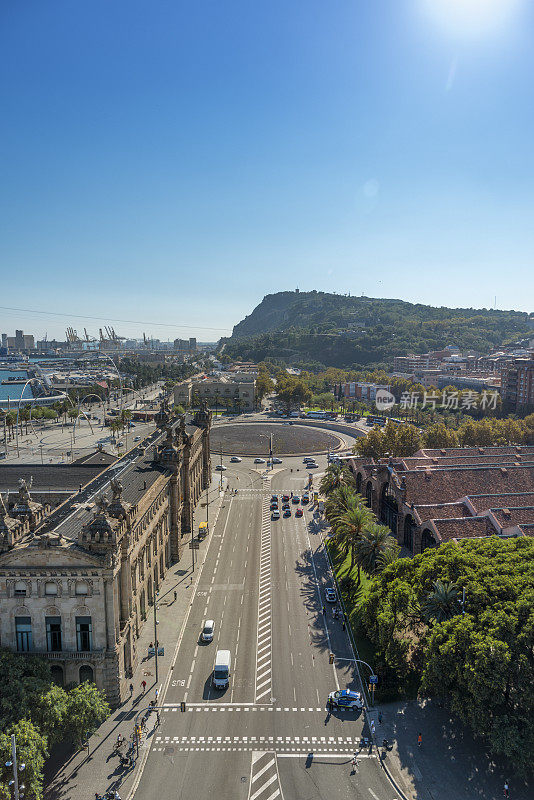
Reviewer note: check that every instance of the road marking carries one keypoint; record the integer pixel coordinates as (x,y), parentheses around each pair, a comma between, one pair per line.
(263,674)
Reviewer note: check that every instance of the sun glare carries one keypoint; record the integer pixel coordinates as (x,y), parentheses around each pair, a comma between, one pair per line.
(472,18)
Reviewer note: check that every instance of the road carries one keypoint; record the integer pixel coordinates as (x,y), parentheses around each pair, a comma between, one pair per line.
(268,734)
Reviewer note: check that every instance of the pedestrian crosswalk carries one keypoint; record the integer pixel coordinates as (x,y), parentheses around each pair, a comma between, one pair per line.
(264,780)
(263,684)
(274,744)
(235,708)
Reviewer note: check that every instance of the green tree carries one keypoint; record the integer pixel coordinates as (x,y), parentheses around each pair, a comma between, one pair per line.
(441,603)
(31,751)
(372,547)
(86,710)
(49,713)
(438,436)
(350,527)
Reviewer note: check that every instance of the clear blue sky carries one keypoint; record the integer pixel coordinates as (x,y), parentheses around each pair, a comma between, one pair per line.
(174,162)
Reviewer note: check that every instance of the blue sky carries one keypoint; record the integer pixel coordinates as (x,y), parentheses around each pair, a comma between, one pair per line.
(174,162)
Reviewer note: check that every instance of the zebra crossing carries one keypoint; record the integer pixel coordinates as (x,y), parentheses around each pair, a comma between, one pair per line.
(264,779)
(263,683)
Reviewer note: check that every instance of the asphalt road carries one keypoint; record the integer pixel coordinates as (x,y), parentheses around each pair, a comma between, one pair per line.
(268,734)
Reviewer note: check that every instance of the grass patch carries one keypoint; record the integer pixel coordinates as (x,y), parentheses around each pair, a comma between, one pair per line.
(353,596)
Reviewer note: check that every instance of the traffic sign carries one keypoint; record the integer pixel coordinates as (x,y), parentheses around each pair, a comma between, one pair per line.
(373,679)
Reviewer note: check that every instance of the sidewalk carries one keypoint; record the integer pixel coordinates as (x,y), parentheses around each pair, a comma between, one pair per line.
(449,764)
(70,776)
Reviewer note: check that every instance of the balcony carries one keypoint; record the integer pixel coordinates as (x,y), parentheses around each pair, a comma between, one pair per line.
(67,655)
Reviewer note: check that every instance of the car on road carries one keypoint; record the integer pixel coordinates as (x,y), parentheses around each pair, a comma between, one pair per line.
(220,467)
(299,512)
(274,505)
(305,498)
(275,514)
(287,512)
(207,631)
(344,698)
(235,460)
(295,499)
(308,458)
(311,465)
(277,460)
(274,498)
(137,438)
(285,498)
(330,595)
(259,461)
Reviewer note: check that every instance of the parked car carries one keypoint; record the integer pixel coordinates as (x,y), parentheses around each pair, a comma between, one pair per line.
(330,595)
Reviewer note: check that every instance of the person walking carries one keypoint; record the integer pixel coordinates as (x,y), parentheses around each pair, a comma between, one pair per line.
(175,595)
(131,689)
(344,625)
(156,694)
(506,790)
(324,610)
(143,686)
(419,739)
(380,718)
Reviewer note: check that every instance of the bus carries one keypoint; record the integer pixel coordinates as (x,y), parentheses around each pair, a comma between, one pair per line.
(373,420)
(316,415)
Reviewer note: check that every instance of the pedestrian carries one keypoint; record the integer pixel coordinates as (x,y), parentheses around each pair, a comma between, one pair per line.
(157,718)
(324,610)
(156,694)
(143,686)
(419,739)
(380,718)
(175,595)
(131,689)
(344,624)
(506,792)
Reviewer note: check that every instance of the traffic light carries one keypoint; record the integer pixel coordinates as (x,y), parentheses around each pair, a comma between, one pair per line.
(182,705)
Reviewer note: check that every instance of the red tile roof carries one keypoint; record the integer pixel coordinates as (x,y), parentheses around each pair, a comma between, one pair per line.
(449,485)
(464,528)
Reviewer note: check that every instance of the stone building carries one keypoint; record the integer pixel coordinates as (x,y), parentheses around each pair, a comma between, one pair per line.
(437,496)
(76,583)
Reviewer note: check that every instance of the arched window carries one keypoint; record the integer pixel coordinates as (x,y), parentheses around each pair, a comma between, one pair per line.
(427,540)
(389,508)
(81,587)
(409,525)
(51,588)
(86,674)
(56,673)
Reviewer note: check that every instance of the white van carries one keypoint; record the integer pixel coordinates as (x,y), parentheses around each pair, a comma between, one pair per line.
(221,669)
(207,631)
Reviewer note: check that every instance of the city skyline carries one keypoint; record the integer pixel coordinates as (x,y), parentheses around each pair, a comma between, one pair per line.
(181,166)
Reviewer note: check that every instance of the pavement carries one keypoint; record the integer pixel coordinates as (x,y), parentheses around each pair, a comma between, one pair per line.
(269,735)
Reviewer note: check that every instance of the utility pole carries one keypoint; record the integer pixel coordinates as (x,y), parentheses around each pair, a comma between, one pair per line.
(192,542)
(17,794)
(221,468)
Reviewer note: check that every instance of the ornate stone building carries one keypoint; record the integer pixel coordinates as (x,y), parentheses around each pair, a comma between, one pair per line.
(76,583)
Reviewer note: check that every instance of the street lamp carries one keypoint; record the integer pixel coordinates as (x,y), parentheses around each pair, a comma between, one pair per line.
(156,623)
(14,782)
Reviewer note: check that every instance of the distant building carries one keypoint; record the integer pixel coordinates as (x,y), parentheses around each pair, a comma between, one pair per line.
(223,392)
(20,342)
(518,384)
(365,392)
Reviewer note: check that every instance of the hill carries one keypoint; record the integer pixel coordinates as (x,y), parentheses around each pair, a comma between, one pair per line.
(318,328)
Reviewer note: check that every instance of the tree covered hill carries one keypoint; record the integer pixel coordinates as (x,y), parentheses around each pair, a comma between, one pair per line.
(341,331)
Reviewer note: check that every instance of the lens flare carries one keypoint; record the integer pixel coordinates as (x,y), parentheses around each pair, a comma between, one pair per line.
(472,18)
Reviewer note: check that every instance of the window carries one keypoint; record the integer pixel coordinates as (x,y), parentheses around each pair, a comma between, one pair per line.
(23,629)
(53,634)
(21,589)
(84,634)
(86,674)
(50,587)
(81,587)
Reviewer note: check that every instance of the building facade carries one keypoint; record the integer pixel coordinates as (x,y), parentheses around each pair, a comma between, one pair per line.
(76,583)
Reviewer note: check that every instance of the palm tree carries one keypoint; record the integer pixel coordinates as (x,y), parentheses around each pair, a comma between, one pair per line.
(350,527)
(372,546)
(334,477)
(442,603)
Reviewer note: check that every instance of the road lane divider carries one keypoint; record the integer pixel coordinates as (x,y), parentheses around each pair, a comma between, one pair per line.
(263,675)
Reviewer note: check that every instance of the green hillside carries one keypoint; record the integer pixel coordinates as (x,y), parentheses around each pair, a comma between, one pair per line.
(340,331)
